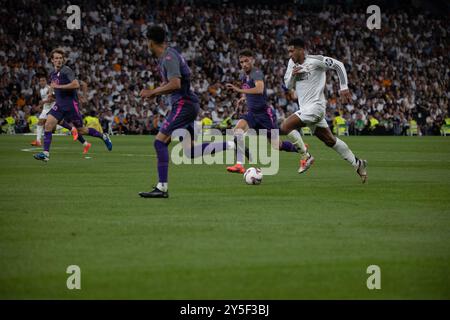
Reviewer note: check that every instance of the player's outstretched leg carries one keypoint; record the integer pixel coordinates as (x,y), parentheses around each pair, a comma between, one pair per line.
(288,146)
(207,148)
(240,152)
(50,125)
(161,189)
(342,148)
(288,127)
(239,136)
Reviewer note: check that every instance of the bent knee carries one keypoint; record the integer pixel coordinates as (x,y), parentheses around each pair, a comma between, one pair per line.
(285,128)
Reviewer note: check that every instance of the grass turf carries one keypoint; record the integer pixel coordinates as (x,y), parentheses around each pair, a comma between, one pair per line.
(293,237)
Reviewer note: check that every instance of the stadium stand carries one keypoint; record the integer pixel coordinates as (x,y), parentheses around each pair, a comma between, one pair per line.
(398,74)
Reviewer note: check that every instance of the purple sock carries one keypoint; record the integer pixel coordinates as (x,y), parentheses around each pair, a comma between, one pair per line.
(214,147)
(81,139)
(66,125)
(94,133)
(162,152)
(288,146)
(47,140)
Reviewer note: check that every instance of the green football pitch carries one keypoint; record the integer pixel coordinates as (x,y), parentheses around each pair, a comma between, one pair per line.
(309,236)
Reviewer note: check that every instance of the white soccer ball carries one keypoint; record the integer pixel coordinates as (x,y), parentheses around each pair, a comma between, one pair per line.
(253,176)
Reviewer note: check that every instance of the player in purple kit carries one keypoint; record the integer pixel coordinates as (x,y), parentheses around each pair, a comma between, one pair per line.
(65,109)
(259,114)
(176,77)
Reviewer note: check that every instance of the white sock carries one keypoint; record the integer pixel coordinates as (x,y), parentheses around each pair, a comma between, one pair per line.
(296,139)
(163,186)
(342,148)
(240,154)
(39,131)
(46,153)
(85,143)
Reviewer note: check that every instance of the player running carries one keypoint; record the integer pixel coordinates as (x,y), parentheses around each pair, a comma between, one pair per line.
(176,77)
(65,108)
(47,102)
(260,115)
(307,75)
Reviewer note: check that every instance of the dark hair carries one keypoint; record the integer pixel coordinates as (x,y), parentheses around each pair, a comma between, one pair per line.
(157,34)
(297,42)
(246,53)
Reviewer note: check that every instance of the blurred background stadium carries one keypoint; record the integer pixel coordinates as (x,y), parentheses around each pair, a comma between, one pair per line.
(310,236)
(399,75)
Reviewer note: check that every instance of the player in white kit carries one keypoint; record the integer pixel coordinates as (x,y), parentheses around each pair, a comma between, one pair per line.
(47,102)
(307,75)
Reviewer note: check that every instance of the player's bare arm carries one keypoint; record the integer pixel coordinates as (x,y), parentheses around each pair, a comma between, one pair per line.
(84,88)
(258,89)
(169,87)
(241,100)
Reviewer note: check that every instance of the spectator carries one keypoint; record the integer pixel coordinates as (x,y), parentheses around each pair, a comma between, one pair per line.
(396,73)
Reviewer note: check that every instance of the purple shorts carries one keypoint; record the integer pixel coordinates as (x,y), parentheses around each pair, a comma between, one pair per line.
(262,120)
(68,111)
(182,116)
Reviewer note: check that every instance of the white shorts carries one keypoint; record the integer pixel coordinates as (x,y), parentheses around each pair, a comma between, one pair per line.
(45,110)
(313,116)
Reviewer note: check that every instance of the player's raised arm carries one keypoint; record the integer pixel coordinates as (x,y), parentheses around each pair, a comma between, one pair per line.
(289,76)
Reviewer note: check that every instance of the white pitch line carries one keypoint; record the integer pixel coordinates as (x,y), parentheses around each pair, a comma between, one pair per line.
(31,149)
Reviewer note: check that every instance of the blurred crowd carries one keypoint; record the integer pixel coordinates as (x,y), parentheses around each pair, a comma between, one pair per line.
(399,75)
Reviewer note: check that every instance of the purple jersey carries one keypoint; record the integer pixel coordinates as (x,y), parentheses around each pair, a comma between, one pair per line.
(256,103)
(64,76)
(173,65)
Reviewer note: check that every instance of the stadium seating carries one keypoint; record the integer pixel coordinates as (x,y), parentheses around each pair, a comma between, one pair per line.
(212,53)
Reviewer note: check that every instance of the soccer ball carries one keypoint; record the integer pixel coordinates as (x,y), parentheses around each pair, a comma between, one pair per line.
(253,176)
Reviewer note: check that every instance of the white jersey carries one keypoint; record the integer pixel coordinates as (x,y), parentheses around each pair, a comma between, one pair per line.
(44,92)
(310,83)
